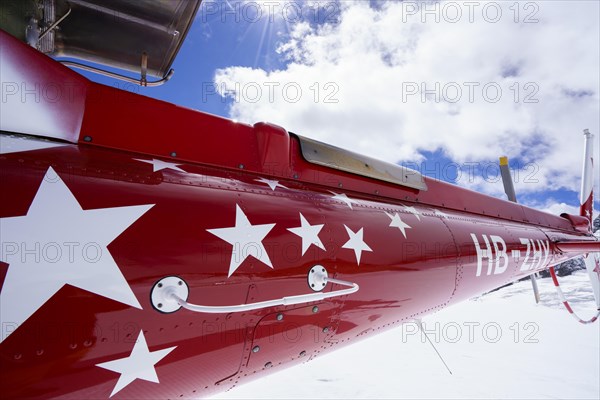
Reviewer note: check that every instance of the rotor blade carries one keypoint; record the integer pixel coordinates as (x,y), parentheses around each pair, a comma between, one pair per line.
(509,188)
(536,290)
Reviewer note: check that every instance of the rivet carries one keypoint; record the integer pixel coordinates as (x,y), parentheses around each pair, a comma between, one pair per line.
(160,285)
(73,346)
(325,330)
(302,353)
(39,352)
(87,343)
(159,305)
(279,317)
(312,285)
(340,184)
(180,283)
(256,349)
(295,176)
(315,309)
(87,138)
(269,364)
(173,154)
(18,356)
(322,269)
(241,166)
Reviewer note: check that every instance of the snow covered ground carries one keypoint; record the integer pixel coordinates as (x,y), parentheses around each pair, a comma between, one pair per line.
(500,345)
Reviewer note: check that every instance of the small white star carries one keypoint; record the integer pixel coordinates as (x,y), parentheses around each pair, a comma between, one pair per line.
(272,184)
(413,211)
(159,165)
(343,198)
(70,248)
(356,243)
(139,365)
(309,234)
(398,223)
(16,144)
(246,240)
(440,213)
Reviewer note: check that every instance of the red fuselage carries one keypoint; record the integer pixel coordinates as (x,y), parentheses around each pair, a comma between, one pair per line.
(143,190)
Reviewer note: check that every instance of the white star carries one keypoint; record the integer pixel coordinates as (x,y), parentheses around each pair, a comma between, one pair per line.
(139,365)
(272,184)
(398,223)
(246,240)
(58,243)
(309,234)
(159,165)
(356,243)
(440,213)
(343,198)
(413,211)
(17,144)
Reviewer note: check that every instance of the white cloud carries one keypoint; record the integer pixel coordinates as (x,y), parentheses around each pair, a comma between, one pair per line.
(375,56)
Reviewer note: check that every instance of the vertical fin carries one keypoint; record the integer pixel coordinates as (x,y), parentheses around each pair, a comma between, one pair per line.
(586,195)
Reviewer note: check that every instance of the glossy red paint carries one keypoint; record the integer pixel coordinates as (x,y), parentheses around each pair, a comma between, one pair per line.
(55,352)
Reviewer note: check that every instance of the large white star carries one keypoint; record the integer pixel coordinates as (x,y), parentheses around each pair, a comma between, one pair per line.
(413,211)
(58,243)
(343,198)
(272,183)
(246,240)
(16,144)
(139,365)
(309,234)
(398,223)
(159,165)
(356,243)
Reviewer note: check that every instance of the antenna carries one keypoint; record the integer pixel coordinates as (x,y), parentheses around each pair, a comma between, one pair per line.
(420,325)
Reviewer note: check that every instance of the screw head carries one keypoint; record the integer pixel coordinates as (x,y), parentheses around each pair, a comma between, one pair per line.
(159,285)
(256,349)
(325,330)
(87,138)
(241,166)
(180,283)
(173,154)
(315,309)
(302,353)
(269,364)
(279,317)
(159,305)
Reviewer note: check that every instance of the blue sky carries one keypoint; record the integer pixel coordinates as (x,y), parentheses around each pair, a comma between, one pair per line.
(393,69)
